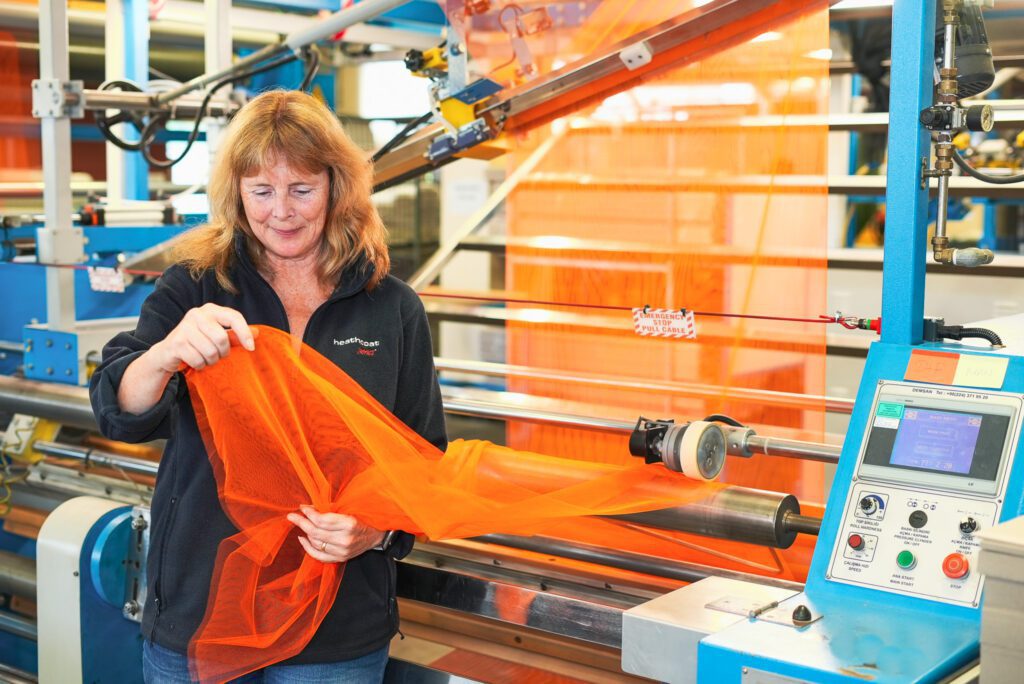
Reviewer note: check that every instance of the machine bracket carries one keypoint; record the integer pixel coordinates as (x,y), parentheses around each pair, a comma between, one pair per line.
(135,575)
(52,98)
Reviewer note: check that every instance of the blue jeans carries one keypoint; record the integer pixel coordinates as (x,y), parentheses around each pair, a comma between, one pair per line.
(163,666)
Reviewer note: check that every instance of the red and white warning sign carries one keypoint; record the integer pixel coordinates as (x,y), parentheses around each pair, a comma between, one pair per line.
(677,323)
(106,279)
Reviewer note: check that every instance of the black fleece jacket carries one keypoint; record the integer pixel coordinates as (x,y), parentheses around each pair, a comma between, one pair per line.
(380,338)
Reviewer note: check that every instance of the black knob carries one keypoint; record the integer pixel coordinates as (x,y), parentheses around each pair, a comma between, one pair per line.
(869,504)
(968,525)
(414,60)
(801,614)
(980,118)
(918,519)
(936,117)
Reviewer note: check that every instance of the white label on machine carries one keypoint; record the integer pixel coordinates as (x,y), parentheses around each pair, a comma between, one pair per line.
(675,323)
(106,279)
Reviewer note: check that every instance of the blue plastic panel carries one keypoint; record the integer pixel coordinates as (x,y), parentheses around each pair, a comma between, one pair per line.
(865,633)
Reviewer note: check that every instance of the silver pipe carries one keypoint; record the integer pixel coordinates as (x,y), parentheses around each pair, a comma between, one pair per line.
(70,406)
(17,575)
(470,407)
(132,101)
(625,560)
(791,448)
(831,404)
(63,404)
(17,625)
(12,675)
(802,524)
(738,514)
(368,9)
(200,81)
(943,207)
(356,14)
(948,45)
(94,457)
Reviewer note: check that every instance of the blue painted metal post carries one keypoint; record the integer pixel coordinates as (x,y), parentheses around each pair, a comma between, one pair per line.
(906,216)
(136,56)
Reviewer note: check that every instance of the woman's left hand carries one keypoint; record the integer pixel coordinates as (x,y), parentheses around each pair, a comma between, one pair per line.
(334,537)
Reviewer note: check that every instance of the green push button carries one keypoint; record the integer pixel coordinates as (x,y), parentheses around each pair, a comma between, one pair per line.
(906,560)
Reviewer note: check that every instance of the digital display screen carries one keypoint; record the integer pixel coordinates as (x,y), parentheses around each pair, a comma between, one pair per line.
(936,440)
(912,437)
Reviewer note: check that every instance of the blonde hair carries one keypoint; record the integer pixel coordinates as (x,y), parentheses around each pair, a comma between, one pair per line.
(297,128)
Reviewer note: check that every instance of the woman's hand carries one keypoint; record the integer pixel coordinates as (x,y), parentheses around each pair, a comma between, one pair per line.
(334,537)
(201,339)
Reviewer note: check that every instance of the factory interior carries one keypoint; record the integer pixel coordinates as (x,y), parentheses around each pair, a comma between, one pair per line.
(759,256)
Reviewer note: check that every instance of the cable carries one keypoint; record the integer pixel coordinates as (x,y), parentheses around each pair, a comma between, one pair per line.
(104,123)
(148,130)
(611,307)
(400,136)
(722,418)
(975,173)
(161,118)
(958,332)
(312,59)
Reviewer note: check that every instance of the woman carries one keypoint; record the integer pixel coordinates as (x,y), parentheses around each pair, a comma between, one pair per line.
(293,242)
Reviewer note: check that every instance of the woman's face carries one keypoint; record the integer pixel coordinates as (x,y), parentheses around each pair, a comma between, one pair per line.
(286,209)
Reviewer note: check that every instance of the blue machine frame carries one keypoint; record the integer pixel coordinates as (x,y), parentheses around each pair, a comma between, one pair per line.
(866,633)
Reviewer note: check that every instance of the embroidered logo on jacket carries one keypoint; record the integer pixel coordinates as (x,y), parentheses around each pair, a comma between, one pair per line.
(366,348)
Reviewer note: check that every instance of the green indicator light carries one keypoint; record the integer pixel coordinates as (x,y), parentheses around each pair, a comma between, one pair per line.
(906,560)
(889,410)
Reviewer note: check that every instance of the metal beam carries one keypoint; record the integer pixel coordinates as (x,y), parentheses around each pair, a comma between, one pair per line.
(906,222)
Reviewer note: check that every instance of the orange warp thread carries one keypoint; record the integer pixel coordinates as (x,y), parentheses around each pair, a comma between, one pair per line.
(284,428)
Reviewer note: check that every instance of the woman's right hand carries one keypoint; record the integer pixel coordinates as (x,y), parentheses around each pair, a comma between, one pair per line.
(201,339)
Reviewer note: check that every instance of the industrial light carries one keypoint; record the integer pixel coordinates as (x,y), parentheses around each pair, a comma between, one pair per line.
(824,54)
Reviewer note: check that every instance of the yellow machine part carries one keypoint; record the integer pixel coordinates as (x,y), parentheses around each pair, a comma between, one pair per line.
(22,433)
(487,150)
(434,60)
(456,112)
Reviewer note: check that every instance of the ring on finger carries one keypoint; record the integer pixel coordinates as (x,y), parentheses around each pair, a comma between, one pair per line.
(323,547)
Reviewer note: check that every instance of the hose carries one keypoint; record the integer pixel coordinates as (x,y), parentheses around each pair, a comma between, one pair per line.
(958,332)
(973,172)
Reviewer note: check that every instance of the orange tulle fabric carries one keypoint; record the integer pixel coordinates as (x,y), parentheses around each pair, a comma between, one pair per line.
(285,428)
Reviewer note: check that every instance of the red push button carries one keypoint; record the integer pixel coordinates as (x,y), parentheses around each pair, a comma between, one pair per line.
(856,542)
(955,566)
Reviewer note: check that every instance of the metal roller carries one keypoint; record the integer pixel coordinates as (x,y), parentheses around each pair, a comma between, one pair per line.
(625,560)
(70,406)
(60,403)
(17,575)
(739,514)
(95,457)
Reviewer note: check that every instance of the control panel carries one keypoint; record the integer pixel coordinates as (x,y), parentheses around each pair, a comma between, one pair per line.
(931,473)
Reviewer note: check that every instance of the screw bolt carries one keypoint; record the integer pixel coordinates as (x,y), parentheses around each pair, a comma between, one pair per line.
(131,608)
